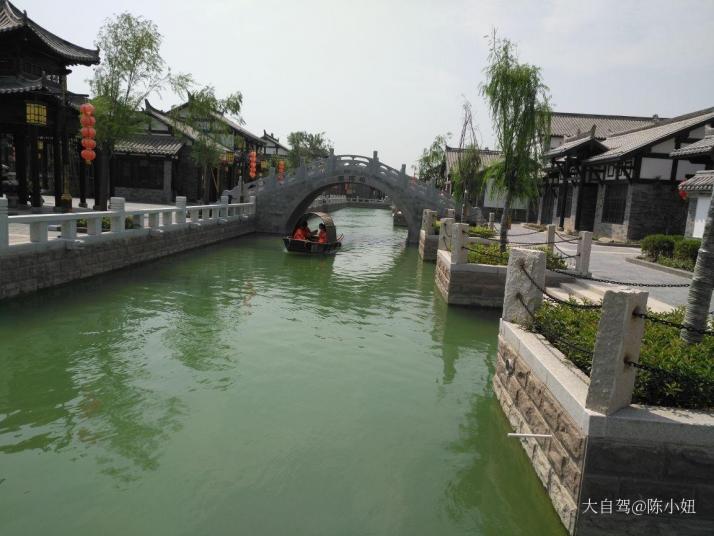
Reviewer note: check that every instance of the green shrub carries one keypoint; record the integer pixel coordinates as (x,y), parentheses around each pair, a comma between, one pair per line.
(687,249)
(681,264)
(654,246)
(693,386)
(481,231)
(491,254)
(437,226)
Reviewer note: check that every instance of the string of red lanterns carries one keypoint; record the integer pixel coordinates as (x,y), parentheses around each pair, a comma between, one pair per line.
(252,160)
(87,119)
(281,170)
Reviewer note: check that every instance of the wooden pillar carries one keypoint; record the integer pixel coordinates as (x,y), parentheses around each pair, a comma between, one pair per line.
(21,166)
(57,168)
(34,169)
(82,179)
(45,164)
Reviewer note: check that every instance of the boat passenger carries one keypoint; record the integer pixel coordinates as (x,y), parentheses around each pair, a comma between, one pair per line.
(302,232)
(322,234)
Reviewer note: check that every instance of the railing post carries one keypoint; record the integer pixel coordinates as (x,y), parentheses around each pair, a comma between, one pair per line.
(117,204)
(4,225)
(451,213)
(38,232)
(445,233)
(582,260)
(459,232)
(153,220)
(167,218)
(427,221)
(94,226)
(550,237)
(69,229)
(181,205)
(618,340)
(520,287)
(492,220)
(223,212)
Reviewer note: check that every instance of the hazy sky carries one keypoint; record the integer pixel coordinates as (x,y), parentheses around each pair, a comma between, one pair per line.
(390,75)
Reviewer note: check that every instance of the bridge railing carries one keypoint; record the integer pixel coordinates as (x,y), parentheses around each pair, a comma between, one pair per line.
(80,227)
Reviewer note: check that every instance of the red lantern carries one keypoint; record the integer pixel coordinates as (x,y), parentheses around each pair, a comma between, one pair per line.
(88,132)
(252,159)
(89,143)
(682,195)
(87,120)
(88,155)
(86,109)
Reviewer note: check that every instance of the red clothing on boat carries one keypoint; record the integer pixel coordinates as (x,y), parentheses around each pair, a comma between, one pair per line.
(299,234)
(322,237)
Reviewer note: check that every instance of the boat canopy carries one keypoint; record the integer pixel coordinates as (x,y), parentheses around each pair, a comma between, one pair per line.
(326,219)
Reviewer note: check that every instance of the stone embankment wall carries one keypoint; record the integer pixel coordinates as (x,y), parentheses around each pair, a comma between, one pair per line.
(656,459)
(60,261)
(428,246)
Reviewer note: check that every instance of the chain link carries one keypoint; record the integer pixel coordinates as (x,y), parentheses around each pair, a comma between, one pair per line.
(663,372)
(625,283)
(555,299)
(658,320)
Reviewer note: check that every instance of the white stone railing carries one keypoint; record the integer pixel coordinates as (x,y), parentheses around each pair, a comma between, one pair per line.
(143,221)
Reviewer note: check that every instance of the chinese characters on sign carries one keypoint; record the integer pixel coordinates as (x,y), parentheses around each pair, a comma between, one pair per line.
(639,507)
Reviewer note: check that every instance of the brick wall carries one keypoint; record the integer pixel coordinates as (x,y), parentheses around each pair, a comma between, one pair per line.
(655,208)
(22,272)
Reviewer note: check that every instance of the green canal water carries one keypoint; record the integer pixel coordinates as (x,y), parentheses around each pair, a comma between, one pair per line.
(240,390)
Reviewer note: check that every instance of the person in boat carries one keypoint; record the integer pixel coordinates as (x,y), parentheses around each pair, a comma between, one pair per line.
(322,234)
(302,232)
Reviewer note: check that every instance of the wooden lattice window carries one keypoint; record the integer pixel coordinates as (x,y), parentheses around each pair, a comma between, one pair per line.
(613,210)
(36,113)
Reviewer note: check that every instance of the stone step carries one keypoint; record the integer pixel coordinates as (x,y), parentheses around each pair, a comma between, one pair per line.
(582,292)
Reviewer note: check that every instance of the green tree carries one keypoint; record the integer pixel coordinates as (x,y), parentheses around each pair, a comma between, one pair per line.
(431,162)
(131,69)
(700,291)
(211,138)
(467,178)
(304,145)
(518,102)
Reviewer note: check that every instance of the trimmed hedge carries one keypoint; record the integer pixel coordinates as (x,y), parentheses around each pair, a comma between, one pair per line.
(671,250)
(661,347)
(481,231)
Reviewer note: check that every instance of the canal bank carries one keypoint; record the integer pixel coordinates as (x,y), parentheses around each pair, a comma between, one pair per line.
(238,386)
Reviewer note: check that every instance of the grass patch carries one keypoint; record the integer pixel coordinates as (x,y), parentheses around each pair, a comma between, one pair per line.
(661,347)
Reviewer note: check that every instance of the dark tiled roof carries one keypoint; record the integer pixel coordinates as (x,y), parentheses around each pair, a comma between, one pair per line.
(272,139)
(488,157)
(569,145)
(180,127)
(12,18)
(703,181)
(239,128)
(567,124)
(702,147)
(149,144)
(625,143)
(18,84)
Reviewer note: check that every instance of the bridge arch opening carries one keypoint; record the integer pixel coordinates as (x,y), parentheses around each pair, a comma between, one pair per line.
(302,206)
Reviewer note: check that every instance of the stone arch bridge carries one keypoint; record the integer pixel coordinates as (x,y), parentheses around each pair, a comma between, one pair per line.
(280,203)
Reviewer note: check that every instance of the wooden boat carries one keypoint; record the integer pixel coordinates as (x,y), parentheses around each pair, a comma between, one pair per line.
(313,246)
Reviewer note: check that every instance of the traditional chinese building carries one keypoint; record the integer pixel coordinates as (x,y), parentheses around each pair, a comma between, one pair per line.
(38,116)
(273,147)
(622,185)
(698,188)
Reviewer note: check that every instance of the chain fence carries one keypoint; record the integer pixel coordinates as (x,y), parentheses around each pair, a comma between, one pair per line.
(669,323)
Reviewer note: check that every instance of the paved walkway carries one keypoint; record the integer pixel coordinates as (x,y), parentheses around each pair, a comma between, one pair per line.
(608,262)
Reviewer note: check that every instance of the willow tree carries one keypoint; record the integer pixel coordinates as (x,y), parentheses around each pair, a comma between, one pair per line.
(518,102)
(306,146)
(431,161)
(467,178)
(131,69)
(700,291)
(212,140)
